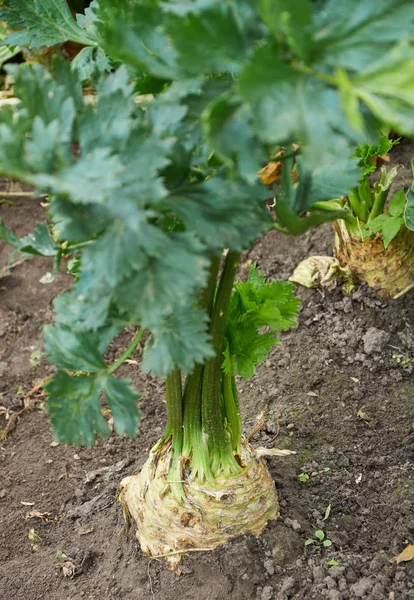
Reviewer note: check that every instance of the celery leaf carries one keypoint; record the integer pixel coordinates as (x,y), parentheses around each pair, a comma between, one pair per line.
(42,23)
(258,309)
(74,407)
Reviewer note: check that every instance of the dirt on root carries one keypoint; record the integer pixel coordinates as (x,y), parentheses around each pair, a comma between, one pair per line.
(339,392)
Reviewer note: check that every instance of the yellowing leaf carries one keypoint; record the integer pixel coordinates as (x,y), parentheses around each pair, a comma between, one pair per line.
(35,540)
(327,512)
(406,555)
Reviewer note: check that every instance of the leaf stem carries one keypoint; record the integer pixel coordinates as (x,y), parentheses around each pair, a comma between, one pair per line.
(174,400)
(192,394)
(318,74)
(132,346)
(231,405)
(380,199)
(173,397)
(355,204)
(212,417)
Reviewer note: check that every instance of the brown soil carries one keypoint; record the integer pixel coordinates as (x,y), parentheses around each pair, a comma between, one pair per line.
(339,392)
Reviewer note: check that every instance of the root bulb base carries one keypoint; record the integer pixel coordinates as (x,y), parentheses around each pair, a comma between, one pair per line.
(209,514)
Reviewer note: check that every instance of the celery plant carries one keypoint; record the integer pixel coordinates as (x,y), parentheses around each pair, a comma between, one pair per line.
(152,179)
(372,241)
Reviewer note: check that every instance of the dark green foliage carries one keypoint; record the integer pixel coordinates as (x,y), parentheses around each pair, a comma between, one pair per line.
(144,191)
(44,23)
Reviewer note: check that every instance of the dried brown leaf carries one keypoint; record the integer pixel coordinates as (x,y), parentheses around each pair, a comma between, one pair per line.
(362,414)
(36,514)
(404,556)
(271,172)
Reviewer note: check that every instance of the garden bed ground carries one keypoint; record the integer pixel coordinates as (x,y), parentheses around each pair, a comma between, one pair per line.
(337,392)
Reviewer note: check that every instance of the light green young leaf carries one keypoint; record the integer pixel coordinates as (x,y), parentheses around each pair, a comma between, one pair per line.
(409,210)
(378,223)
(319,534)
(349,99)
(254,305)
(388,226)
(390,229)
(397,203)
(391,76)
(333,563)
(386,179)
(409,207)
(368,152)
(354,34)
(390,112)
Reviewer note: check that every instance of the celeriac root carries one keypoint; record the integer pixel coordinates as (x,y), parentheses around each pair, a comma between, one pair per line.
(207,515)
(389,270)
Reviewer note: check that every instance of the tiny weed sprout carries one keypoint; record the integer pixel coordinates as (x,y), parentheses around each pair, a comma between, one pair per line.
(333,563)
(148,146)
(318,540)
(402,360)
(303,477)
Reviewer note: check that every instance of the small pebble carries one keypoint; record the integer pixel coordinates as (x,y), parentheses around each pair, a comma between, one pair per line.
(267,593)
(336,572)
(361,587)
(318,574)
(351,576)
(335,595)
(288,584)
(295,525)
(330,582)
(269,566)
